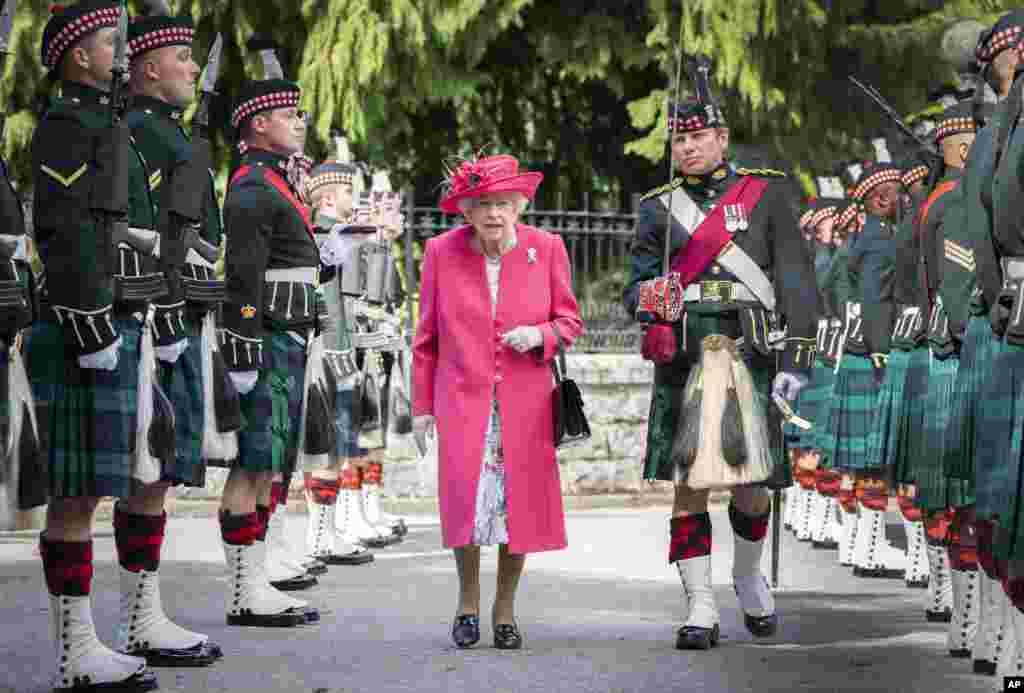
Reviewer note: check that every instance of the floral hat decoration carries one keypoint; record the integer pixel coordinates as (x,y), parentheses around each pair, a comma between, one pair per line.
(482,175)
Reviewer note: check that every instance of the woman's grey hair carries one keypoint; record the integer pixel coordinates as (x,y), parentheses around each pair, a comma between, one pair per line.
(471,203)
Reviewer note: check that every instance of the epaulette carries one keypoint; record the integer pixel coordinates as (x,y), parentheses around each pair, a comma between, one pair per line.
(661,190)
(763,172)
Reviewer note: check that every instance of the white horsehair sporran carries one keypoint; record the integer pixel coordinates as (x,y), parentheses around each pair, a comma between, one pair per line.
(722,438)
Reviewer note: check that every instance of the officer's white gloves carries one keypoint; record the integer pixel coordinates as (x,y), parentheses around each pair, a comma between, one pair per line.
(172,352)
(788,385)
(423,425)
(103,360)
(524,338)
(244,381)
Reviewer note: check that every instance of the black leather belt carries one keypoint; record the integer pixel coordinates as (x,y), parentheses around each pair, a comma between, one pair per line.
(207,292)
(141,288)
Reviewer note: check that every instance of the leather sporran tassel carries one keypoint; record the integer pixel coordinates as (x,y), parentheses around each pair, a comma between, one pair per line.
(721,437)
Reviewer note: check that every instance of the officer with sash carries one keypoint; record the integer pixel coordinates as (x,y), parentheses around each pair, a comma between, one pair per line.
(740,258)
(1000,258)
(269,316)
(91,362)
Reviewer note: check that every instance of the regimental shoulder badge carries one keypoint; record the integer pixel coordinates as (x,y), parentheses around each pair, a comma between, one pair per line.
(763,172)
(248,312)
(668,187)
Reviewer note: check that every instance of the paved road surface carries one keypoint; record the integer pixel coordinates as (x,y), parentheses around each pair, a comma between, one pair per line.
(600,616)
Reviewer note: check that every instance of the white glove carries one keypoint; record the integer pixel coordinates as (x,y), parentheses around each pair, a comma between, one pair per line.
(422,425)
(244,381)
(172,352)
(524,338)
(788,385)
(102,360)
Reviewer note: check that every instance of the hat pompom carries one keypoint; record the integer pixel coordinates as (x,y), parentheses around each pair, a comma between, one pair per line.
(57,9)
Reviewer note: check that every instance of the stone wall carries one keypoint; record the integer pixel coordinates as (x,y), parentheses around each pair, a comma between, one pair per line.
(616,392)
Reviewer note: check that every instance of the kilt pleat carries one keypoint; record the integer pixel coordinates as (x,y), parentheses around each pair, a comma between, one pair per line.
(999,440)
(812,405)
(976,356)
(269,439)
(182,382)
(935,490)
(89,415)
(852,413)
(886,435)
(908,454)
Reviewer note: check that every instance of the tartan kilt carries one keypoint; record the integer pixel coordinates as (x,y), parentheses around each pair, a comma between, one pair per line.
(1000,431)
(907,455)
(936,491)
(667,396)
(812,405)
(182,382)
(270,436)
(852,414)
(884,439)
(976,358)
(87,417)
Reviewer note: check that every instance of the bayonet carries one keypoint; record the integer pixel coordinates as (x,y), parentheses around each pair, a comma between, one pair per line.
(119,70)
(207,87)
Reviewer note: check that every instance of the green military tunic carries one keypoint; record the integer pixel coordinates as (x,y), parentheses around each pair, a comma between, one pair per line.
(89,415)
(164,145)
(773,240)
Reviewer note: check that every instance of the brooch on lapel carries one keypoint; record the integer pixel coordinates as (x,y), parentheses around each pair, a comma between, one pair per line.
(531,255)
(736,218)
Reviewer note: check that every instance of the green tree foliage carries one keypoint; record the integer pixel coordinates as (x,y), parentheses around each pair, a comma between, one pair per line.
(575,88)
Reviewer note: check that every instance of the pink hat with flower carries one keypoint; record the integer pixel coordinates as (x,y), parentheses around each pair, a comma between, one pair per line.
(490,174)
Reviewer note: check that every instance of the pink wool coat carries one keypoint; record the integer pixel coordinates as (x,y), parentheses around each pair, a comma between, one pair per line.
(458,356)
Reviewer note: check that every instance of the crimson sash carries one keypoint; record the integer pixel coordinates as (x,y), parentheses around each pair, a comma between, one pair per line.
(711,236)
(282,187)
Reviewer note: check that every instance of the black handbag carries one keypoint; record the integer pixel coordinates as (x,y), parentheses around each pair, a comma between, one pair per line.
(570,421)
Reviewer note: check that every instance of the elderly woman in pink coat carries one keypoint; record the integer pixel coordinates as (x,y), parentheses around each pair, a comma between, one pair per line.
(495,299)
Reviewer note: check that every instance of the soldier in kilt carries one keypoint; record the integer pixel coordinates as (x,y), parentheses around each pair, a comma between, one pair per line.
(330,193)
(818,485)
(999,255)
(868,329)
(88,360)
(23,480)
(269,317)
(717,302)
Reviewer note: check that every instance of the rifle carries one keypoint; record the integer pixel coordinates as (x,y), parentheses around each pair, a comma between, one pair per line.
(927,149)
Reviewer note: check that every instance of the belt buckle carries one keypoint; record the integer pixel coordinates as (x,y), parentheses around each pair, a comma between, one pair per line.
(716,291)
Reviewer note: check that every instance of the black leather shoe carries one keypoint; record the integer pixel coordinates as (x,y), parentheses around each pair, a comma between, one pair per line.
(137,683)
(310,614)
(984,667)
(295,584)
(762,626)
(825,545)
(921,584)
(696,638)
(507,637)
(315,567)
(360,557)
(203,654)
(944,616)
(960,654)
(466,630)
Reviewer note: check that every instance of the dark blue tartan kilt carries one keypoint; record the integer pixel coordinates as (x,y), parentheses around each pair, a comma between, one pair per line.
(269,439)
(976,359)
(346,430)
(182,382)
(812,405)
(999,437)
(884,439)
(907,454)
(87,417)
(852,414)
(937,491)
